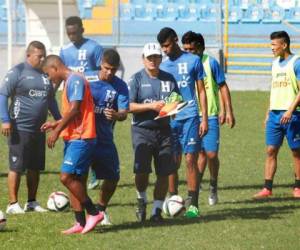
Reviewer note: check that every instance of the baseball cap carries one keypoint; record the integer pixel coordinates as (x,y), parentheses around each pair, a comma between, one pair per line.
(151,49)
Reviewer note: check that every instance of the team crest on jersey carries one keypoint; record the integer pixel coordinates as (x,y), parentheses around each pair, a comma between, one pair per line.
(82,54)
(165,86)
(110,96)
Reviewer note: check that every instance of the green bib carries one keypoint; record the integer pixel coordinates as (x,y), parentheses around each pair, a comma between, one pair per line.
(284,88)
(211,88)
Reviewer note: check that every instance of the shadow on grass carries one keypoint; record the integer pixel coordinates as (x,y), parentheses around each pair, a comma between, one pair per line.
(4,175)
(233,187)
(258,213)
(181,182)
(266,200)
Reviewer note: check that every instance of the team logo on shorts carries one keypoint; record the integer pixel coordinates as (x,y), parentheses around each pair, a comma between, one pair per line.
(192,141)
(297,137)
(14,158)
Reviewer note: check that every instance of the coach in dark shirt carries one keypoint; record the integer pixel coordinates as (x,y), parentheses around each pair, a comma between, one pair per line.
(31,96)
(151,138)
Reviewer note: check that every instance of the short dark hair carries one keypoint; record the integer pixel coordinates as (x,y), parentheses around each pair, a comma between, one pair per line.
(111,57)
(52,60)
(281,34)
(166,33)
(193,37)
(36,45)
(74,20)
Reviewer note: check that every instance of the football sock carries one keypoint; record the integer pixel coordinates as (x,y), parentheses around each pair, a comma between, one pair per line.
(200,176)
(31,200)
(213,185)
(297,183)
(80,217)
(90,207)
(142,195)
(156,204)
(193,195)
(101,207)
(268,184)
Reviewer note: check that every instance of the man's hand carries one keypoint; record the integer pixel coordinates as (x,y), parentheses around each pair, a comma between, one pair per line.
(52,139)
(48,126)
(230,120)
(222,118)
(6,129)
(203,128)
(286,117)
(157,106)
(110,114)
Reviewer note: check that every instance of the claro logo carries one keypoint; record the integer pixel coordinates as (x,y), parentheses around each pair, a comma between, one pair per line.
(37,93)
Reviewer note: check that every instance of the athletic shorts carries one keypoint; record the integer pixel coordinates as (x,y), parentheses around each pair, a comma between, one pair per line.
(211,141)
(77,156)
(152,143)
(105,161)
(275,131)
(26,151)
(185,135)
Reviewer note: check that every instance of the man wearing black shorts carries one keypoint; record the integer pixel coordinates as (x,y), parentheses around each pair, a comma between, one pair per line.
(148,90)
(31,96)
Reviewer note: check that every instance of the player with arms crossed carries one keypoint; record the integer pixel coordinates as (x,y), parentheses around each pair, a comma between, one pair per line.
(283,114)
(81,55)
(77,128)
(188,71)
(31,96)
(214,83)
(148,90)
(111,100)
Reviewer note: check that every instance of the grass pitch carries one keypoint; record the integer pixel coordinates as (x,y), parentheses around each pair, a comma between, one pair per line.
(237,222)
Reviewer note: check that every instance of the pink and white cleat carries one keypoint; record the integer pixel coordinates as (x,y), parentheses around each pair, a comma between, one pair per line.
(296,192)
(264,193)
(76,229)
(92,221)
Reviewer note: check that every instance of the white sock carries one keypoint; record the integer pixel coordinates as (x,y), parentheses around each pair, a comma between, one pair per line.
(156,204)
(142,195)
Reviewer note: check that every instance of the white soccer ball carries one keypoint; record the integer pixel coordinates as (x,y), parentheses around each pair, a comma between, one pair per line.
(174,206)
(58,201)
(2,221)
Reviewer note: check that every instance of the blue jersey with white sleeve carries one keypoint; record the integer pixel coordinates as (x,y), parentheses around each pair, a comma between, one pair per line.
(113,95)
(186,69)
(83,57)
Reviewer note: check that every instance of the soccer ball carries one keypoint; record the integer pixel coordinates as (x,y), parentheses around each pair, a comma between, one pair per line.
(174,206)
(2,221)
(58,201)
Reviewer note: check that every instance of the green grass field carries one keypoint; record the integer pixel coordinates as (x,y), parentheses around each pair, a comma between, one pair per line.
(237,222)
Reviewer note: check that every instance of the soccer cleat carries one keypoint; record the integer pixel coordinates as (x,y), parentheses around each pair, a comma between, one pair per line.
(14,209)
(93,184)
(192,212)
(296,192)
(106,220)
(34,206)
(213,198)
(157,216)
(141,210)
(76,229)
(264,193)
(92,221)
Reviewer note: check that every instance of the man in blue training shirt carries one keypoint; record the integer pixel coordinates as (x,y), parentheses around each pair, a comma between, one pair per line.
(31,96)
(188,71)
(149,89)
(215,86)
(81,55)
(111,101)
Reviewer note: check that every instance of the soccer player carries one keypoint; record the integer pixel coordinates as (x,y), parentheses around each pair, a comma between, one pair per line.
(81,55)
(111,100)
(77,128)
(31,95)
(148,91)
(214,82)
(188,71)
(283,114)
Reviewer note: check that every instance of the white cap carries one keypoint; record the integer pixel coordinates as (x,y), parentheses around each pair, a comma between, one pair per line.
(151,49)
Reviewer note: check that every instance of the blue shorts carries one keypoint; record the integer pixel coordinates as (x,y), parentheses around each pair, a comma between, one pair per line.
(211,141)
(275,132)
(105,161)
(185,135)
(77,156)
